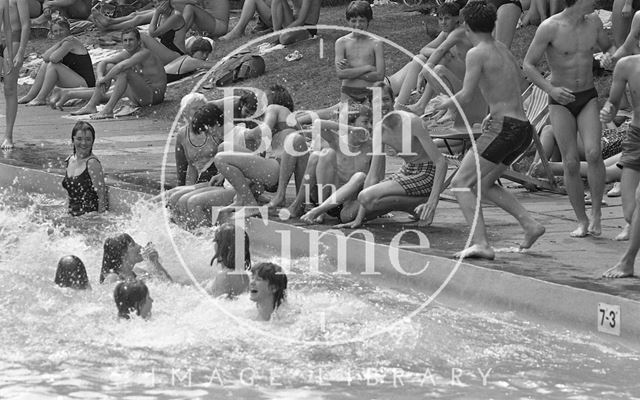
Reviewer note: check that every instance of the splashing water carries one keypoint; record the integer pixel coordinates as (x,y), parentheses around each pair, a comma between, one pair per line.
(64,342)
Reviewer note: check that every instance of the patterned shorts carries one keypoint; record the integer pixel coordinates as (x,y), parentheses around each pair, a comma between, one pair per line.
(415,178)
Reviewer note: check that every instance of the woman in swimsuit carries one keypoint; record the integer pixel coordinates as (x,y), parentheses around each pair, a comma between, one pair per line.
(84,179)
(167,32)
(66,64)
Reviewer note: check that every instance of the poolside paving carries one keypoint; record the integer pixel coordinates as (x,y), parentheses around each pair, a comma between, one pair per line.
(132,149)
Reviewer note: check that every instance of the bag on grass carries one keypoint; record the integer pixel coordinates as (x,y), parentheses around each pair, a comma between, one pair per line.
(240,66)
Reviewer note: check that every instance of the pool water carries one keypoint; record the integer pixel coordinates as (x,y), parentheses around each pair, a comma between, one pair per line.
(59,342)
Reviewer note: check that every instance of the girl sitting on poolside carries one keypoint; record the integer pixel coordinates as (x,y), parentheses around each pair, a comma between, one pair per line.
(84,179)
(268,288)
(66,64)
(231,279)
(131,296)
(121,254)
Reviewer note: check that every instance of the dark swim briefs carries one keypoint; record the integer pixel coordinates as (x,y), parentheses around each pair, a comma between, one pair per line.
(502,141)
(359,95)
(499,3)
(630,157)
(582,99)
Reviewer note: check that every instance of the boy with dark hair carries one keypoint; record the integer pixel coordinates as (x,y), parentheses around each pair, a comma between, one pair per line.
(568,40)
(359,58)
(506,132)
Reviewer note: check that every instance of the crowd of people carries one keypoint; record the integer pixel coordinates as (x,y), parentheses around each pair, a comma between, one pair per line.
(336,154)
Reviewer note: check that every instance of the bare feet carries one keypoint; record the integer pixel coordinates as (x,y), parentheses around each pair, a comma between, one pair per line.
(620,270)
(536,170)
(277,201)
(296,209)
(615,191)
(83,111)
(624,235)
(312,217)
(581,231)
(7,144)
(36,102)
(477,251)
(101,115)
(24,99)
(595,228)
(531,234)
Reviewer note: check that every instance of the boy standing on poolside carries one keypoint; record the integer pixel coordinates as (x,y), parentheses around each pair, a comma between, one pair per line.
(506,132)
(627,72)
(359,58)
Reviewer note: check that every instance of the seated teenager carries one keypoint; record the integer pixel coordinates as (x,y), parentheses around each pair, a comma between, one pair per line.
(136,18)
(167,32)
(304,13)
(71,273)
(230,279)
(188,64)
(249,8)
(267,288)
(121,254)
(75,9)
(136,73)
(66,64)
(334,178)
(416,187)
(210,16)
(130,296)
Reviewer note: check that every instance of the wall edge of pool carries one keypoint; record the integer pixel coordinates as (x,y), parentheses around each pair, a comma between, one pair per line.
(120,200)
(472,286)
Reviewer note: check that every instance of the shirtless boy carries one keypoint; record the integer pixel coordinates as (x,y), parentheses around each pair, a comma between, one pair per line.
(20,25)
(333,168)
(627,72)
(568,40)
(137,73)
(420,178)
(211,16)
(506,131)
(359,58)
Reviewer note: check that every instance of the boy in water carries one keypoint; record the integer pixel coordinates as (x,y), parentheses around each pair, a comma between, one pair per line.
(626,72)
(359,58)
(506,132)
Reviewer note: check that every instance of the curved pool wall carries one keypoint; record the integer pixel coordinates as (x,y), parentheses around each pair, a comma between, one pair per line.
(470,286)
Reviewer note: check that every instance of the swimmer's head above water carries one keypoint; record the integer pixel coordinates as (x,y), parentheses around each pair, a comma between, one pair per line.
(120,252)
(132,295)
(225,253)
(268,287)
(71,273)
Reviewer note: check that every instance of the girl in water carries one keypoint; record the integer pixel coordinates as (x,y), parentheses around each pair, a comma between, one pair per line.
(229,280)
(121,254)
(268,288)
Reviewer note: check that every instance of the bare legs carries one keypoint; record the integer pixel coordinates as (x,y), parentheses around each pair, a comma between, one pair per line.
(51,75)
(289,165)
(625,267)
(11,100)
(249,8)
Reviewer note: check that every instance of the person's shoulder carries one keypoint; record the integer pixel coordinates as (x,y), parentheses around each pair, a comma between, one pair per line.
(93,162)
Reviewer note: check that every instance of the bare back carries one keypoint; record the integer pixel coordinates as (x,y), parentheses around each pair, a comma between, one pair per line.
(499,79)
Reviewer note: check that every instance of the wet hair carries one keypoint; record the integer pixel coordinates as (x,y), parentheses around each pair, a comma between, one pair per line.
(135,32)
(71,273)
(82,126)
(359,8)
(449,8)
(249,99)
(129,296)
(274,274)
(479,16)
(208,115)
(200,44)
(114,249)
(61,22)
(280,95)
(225,237)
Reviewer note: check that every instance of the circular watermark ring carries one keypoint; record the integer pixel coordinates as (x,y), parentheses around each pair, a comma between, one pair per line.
(256,327)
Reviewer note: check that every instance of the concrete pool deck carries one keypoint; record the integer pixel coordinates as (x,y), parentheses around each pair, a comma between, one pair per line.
(131,151)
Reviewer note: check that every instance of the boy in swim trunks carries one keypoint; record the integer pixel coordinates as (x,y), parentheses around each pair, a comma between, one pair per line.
(137,73)
(627,72)
(332,177)
(506,132)
(359,58)
(420,179)
(568,40)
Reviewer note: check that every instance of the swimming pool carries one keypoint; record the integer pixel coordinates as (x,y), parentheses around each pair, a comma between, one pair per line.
(65,343)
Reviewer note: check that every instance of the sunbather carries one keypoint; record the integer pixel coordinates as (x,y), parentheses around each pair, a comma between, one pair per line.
(210,16)
(76,9)
(66,64)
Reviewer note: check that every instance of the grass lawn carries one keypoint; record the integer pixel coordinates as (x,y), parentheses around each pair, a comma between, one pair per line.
(312,80)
